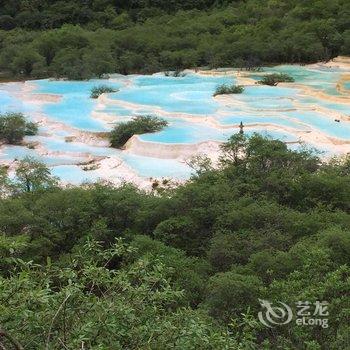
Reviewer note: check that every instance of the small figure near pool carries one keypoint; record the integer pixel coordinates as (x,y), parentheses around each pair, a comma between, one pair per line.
(241,126)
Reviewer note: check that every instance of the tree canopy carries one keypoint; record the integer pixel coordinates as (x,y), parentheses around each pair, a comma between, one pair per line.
(183,268)
(84,39)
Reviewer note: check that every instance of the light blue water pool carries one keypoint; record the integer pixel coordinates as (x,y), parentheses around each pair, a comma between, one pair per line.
(155,167)
(59,145)
(76,106)
(269,119)
(9,103)
(278,135)
(320,78)
(268,92)
(10,153)
(118,111)
(17,152)
(190,94)
(74,174)
(267,97)
(338,107)
(323,123)
(145,166)
(180,131)
(312,102)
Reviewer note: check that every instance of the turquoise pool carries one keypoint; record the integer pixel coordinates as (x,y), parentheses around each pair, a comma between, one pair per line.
(323,79)
(145,167)
(76,106)
(191,94)
(10,103)
(180,131)
(59,145)
(323,123)
(176,100)
(74,174)
(10,153)
(155,167)
(263,118)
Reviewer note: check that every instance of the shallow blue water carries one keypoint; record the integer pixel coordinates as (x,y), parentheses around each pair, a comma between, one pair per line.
(333,106)
(190,94)
(20,152)
(74,174)
(338,107)
(180,131)
(118,111)
(322,78)
(252,119)
(76,106)
(269,91)
(59,145)
(278,135)
(267,97)
(323,123)
(9,103)
(17,152)
(155,167)
(145,166)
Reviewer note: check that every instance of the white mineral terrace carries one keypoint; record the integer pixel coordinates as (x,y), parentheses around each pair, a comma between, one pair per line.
(72,126)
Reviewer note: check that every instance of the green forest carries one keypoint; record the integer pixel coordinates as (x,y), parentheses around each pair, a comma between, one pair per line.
(185,266)
(91,38)
(98,267)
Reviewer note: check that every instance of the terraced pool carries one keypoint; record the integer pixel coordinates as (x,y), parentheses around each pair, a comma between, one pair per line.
(195,117)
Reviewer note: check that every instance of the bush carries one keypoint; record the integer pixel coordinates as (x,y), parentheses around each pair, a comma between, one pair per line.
(274,79)
(230,294)
(97,91)
(225,89)
(138,125)
(7,22)
(31,129)
(178,73)
(13,127)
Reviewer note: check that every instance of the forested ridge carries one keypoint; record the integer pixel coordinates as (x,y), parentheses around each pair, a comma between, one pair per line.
(83,39)
(98,267)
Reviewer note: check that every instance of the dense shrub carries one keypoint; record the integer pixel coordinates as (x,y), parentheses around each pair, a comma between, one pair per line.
(138,125)
(31,129)
(225,89)
(13,128)
(274,79)
(96,91)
